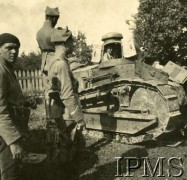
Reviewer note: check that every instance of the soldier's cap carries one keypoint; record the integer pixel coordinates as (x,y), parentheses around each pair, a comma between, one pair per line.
(8,38)
(52,11)
(61,35)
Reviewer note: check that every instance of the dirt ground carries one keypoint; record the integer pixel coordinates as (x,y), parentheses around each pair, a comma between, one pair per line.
(97,160)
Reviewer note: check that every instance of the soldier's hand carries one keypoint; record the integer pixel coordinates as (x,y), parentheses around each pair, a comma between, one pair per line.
(30,103)
(81,125)
(16,151)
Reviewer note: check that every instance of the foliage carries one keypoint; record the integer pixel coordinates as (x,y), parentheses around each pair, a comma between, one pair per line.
(161,30)
(82,51)
(28,62)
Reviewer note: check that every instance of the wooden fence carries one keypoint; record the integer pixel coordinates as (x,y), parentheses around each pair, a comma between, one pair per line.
(30,81)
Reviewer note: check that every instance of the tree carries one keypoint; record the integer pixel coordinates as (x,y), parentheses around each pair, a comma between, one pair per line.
(31,61)
(161,30)
(82,51)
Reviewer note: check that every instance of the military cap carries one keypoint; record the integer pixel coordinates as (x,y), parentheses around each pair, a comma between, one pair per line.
(52,11)
(8,38)
(61,35)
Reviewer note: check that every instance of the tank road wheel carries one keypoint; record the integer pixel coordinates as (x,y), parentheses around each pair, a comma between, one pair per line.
(153,102)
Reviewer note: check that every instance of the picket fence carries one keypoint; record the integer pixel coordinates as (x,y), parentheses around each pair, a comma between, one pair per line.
(30,81)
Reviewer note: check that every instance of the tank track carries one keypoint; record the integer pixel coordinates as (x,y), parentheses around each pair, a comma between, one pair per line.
(91,96)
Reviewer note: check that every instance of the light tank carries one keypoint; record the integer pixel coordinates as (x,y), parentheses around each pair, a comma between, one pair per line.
(130,99)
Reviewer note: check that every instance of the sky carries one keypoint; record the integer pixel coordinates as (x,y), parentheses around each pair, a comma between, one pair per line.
(92,17)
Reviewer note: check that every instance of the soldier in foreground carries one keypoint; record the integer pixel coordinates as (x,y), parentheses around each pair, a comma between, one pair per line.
(62,78)
(12,125)
(62,92)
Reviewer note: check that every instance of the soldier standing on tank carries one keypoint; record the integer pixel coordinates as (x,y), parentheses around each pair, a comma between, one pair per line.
(43,37)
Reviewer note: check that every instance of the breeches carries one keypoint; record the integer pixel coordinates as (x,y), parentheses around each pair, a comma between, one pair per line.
(9,169)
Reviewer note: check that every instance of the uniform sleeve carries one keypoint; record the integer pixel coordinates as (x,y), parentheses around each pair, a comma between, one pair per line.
(67,94)
(105,58)
(8,131)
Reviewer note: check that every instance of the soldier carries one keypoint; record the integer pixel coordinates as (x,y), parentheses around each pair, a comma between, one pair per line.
(63,93)
(61,76)
(108,54)
(12,125)
(43,37)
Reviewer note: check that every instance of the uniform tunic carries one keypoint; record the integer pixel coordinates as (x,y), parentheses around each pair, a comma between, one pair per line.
(10,95)
(107,57)
(43,38)
(62,79)
(10,131)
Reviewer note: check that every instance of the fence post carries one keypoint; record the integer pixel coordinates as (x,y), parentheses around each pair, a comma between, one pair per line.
(20,80)
(40,80)
(30,81)
(36,79)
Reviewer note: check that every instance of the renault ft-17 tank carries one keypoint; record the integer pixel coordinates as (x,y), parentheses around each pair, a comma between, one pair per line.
(128,98)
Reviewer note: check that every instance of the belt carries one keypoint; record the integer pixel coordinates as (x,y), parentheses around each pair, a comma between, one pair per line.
(48,50)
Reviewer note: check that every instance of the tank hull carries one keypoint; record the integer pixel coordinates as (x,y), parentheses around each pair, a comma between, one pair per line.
(130,99)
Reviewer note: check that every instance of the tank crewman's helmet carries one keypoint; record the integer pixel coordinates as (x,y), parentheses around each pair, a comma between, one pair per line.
(61,35)
(52,11)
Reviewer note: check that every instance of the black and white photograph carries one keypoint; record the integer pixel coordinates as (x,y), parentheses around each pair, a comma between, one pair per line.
(93,90)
